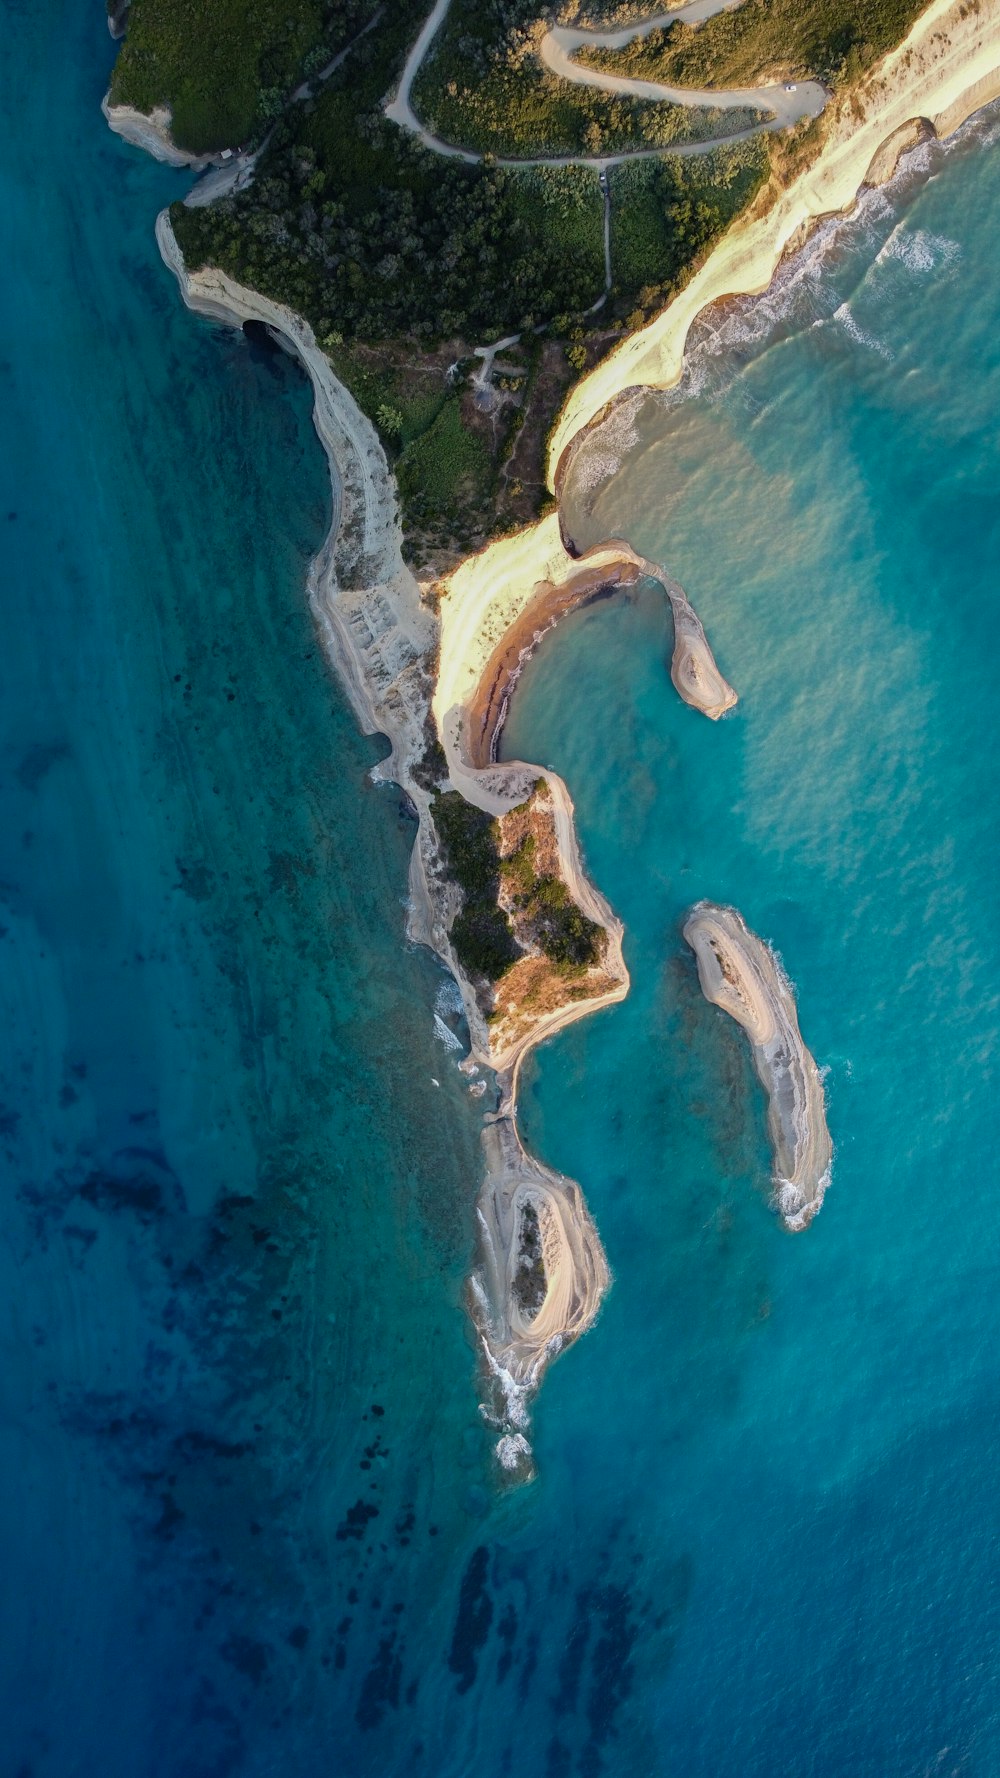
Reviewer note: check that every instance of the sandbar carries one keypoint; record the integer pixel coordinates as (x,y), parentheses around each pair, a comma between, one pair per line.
(741,974)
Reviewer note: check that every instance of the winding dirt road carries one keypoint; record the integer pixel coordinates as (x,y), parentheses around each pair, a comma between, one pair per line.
(786,104)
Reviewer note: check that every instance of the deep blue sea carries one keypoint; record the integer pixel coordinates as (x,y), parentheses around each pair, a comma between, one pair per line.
(249,1522)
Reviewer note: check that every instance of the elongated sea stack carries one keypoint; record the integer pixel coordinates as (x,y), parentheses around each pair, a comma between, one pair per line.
(741,974)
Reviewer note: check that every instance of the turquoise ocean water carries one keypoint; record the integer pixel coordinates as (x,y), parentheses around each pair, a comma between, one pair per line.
(249,1523)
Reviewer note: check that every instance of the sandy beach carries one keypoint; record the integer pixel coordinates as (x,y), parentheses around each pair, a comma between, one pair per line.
(740,973)
(947,68)
(693,669)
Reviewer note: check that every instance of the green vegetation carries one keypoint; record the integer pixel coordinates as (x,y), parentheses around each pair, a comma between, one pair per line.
(565,205)
(404,261)
(394,254)
(389,386)
(556,925)
(518,870)
(444,469)
(666,214)
(225,67)
(373,237)
(482,934)
(484,86)
(830,40)
(546,916)
(529,1282)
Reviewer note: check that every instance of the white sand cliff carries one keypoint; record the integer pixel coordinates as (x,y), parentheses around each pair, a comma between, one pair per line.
(151,132)
(381,638)
(740,973)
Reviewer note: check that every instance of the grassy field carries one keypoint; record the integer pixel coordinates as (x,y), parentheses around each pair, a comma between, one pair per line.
(565,205)
(225,67)
(830,40)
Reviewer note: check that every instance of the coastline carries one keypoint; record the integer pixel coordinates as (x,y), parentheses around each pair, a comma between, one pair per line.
(611,567)
(381,639)
(931,83)
(151,132)
(946,68)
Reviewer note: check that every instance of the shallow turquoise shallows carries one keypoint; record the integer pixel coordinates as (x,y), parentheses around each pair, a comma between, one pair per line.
(248,1519)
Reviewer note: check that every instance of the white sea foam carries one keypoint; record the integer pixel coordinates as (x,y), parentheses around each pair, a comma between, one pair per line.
(919,250)
(802,293)
(514,1393)
(795,1212)
(512,1450)
(447,1005)
(444,1035)
(601,452)
(860,336)
(448,999)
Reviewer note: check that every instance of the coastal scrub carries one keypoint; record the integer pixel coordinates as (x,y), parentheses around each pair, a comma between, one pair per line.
(515,906)
(830,40)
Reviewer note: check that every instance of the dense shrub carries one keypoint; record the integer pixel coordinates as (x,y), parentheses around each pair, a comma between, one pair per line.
(469,841)
(558,927)
(484,942)
(225,66)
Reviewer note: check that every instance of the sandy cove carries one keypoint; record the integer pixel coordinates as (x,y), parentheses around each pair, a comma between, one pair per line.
(611,567)
(740,973)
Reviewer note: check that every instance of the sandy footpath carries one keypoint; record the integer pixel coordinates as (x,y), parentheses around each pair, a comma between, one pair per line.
(740,973)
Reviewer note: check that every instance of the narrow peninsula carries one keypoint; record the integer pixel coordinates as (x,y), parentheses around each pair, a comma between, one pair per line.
(481,233)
